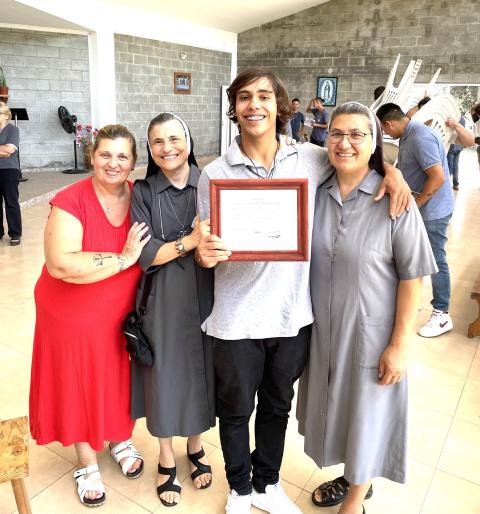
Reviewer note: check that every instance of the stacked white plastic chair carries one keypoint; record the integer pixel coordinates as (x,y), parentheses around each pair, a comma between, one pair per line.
(398,95)
(436,112)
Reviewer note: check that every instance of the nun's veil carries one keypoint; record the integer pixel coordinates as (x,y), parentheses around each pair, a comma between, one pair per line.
(163,117)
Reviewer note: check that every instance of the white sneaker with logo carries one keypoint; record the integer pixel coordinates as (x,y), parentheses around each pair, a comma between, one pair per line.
(274,500)
(238,504)
(439,323)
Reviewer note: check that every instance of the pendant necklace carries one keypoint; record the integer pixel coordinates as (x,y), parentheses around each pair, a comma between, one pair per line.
(182,232)
(269,173)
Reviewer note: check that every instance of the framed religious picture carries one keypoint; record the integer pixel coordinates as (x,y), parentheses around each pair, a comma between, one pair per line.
(260,219)
(182,82)
(327,89)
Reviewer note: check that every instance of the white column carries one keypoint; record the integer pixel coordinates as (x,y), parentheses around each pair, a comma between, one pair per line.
(101,49)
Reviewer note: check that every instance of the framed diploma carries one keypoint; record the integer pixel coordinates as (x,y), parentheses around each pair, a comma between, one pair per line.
(260,219)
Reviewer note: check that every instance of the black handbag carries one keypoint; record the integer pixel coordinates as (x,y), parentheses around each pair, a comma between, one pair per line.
(138,345)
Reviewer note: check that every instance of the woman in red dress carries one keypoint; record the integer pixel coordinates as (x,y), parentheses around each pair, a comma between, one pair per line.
(80,386)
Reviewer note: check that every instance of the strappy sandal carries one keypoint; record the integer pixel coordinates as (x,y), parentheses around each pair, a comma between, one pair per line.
(127,451)
(334,492)
(172,484)
(88,484)
(202,469)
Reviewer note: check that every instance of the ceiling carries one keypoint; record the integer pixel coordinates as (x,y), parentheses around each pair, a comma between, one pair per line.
(229,15)
(15,13)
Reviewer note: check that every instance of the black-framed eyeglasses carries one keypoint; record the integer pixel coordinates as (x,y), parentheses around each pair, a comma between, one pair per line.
(355,137)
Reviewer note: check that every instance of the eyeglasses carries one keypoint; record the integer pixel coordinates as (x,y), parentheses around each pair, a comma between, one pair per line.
(355,137)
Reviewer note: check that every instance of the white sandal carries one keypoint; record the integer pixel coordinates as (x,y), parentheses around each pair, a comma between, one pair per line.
(127,451)
(88,484)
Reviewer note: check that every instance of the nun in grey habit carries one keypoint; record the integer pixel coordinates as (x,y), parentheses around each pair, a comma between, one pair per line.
(359,258)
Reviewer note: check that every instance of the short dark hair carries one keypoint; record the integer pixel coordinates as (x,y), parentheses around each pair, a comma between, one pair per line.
(423,101)
(378,92)
(296,100)
(284,110)
(116,132)
(390,112)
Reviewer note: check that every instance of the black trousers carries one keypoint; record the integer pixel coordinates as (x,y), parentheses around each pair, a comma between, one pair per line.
(317,142)
(9,179)
(267,368)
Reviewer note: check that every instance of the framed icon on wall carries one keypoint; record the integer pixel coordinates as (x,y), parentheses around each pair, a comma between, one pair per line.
(182,83)
(327,89)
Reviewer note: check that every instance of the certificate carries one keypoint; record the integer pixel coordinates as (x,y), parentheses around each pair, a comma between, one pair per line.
(261,219)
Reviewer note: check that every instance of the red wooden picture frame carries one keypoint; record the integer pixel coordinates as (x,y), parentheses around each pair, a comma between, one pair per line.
(301,187)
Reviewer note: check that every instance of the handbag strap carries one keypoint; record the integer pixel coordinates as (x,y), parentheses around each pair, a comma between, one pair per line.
(146,291)
(143,185)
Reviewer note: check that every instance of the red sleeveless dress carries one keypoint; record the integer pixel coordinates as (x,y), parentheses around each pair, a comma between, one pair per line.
(80,383)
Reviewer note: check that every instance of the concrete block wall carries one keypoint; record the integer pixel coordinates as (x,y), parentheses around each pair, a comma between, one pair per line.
(358,41)
(45,70)
(144,88)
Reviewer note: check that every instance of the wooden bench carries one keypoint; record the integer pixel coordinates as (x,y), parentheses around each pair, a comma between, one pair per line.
(14,459)
(474,327)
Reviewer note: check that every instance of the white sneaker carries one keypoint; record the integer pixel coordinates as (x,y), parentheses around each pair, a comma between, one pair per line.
(274,500)
(238,504)
(439,323)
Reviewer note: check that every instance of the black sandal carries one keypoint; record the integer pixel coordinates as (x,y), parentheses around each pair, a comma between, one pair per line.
(335,492)
(172,484)
(202,469)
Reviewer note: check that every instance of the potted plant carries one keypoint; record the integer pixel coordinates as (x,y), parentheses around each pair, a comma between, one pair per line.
(85,136)
(3,85)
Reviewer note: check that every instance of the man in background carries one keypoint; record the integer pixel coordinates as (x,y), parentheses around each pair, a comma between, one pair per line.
(297,121)
(423,162)
(319,131)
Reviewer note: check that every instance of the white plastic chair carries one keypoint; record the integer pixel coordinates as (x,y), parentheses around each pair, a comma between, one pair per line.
(436,112)
(398,95)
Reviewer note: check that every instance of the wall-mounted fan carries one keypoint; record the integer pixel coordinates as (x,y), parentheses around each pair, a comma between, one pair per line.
(69,124)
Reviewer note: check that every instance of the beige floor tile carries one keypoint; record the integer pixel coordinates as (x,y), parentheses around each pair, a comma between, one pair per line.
(66,452)
(474,373)
(427,434)
(469,406)
(432,352)
(62,498)
(212,436)
(14,394)
(449,494)
(434,389)
(397,498)
(461,454)
(45,469)
(297,468)
(11,361)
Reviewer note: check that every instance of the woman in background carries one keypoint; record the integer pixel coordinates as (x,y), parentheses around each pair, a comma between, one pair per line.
(9,176)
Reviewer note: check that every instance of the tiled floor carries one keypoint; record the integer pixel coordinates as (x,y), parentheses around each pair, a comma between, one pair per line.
(444,464)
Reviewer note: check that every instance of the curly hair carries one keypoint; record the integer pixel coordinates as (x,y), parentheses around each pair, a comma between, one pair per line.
(284,109)
(116,132)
